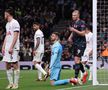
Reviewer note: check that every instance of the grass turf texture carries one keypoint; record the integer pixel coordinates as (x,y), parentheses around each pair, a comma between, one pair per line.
(28,82)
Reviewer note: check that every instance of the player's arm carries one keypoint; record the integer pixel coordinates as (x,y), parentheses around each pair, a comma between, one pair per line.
(3,46)
(4,43)
(16,31)
(70,37)
(54,56)
(91,52)
(81,33)
(16,34)
(37,43)
(82,27)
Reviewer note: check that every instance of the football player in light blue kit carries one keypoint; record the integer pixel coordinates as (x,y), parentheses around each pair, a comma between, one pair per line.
(55,64)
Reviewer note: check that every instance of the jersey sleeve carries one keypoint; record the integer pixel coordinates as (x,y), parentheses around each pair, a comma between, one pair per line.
(38,34)
(16,26)
(82,26)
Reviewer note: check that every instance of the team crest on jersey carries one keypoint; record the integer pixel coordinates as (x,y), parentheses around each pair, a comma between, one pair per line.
(75,26)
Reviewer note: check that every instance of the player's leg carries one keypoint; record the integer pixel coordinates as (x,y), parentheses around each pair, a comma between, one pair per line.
(16,75)
(79,66)
(60,82)
(9,71)
(39,72)
(55,76)
(37,59)
(91,72)
(39,75)
(106,59)
(9,75)
(80,54)
(102,59)
(39,69)
(16,69)
(84,60)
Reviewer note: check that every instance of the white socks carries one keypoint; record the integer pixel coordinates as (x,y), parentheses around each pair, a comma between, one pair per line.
(91,72)
(38,66)
(81,75)
(39,75)
(10,76)
(16,76)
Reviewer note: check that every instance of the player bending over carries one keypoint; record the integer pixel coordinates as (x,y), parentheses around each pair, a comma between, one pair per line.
(10,49)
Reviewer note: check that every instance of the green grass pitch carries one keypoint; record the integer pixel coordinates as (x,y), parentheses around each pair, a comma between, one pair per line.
(28,82)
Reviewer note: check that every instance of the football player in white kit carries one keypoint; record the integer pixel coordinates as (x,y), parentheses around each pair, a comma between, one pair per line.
(87,57)
(10,49)
(38,50)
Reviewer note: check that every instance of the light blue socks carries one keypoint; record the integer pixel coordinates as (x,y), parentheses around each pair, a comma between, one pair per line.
(61,82)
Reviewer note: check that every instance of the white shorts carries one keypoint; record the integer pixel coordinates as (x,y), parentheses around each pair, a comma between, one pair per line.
(38,57)
(85,56)
(11,58)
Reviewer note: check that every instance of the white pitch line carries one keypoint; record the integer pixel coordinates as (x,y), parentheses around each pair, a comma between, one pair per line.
(74,87)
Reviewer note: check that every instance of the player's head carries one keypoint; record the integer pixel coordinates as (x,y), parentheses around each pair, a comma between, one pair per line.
(55,36)
(75,15)
(36,25)
(9,13)
(87,28)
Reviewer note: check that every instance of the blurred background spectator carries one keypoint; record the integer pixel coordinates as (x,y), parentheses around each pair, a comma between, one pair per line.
(54,15)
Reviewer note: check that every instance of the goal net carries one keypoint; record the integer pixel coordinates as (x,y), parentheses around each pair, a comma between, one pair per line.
(100,47)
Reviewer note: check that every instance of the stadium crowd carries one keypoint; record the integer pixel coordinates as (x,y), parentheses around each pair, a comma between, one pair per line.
(48,13)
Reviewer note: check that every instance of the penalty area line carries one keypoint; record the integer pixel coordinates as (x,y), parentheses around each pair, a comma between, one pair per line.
(74,87)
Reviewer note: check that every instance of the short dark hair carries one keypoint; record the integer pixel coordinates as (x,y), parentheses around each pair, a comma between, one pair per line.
(10,11)
(57,34)
(89,27)
(37,23)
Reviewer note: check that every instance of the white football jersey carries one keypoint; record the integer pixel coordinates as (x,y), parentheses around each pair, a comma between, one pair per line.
(89,40)
(11,27)
(39,34)
(89,47)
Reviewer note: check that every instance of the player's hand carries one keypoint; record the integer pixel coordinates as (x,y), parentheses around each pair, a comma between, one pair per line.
(3,51)
(49,71)
(90,54)
(34,53)
(71,29)
(10,50)
(69,40)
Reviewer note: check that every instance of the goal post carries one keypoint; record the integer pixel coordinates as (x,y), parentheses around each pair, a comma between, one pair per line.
(100,35)
(94,41)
